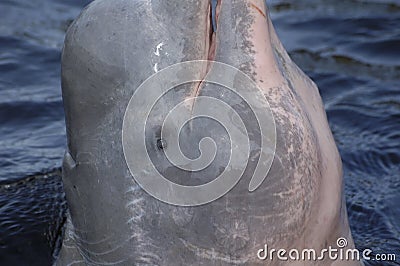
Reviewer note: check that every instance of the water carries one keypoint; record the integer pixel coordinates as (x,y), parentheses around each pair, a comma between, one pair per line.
(350,48)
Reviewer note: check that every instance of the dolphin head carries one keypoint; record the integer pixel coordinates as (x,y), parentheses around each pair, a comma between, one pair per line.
(162,152)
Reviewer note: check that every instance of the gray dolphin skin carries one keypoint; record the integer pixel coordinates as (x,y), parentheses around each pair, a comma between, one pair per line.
(110,50)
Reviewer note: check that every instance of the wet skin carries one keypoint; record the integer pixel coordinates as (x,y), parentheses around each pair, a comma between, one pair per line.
(109,51)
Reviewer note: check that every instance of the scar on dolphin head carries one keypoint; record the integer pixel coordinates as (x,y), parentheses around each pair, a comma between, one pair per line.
(258,9)
(212,25)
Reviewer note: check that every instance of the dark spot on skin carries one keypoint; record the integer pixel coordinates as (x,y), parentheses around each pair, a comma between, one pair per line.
(161,144)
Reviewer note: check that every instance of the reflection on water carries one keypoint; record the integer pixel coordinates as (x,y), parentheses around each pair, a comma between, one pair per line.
(350,48)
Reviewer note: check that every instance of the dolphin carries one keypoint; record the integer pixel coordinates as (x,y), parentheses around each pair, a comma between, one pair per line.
(112,48)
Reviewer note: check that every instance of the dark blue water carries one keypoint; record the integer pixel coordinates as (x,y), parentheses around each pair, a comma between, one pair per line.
(350,48)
